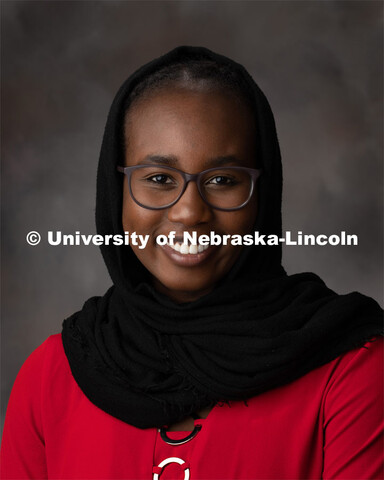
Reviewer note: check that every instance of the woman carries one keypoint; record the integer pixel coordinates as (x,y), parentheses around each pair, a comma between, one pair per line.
(201,362)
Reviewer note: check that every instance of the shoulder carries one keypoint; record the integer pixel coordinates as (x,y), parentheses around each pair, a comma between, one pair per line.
(52,345)
(355,390)
(23,444)
(30,376)
(38,370)
(357,379)
(372,350)
(34,364)
(365,365)
(44,375)
(353,414)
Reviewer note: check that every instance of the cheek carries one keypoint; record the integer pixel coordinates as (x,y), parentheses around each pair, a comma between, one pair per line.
(140,220)
(250,212)
(143,222)
(135,218)
(132,217)
(241,221)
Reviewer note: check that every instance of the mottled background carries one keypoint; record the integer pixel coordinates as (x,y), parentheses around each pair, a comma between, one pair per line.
(320,65)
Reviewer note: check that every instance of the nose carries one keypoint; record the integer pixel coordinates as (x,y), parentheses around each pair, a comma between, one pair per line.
(190,209)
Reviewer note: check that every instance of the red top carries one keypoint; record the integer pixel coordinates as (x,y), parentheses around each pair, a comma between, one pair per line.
(328,424)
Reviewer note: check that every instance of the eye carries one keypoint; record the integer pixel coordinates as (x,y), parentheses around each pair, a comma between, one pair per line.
(221,180)
(160,179)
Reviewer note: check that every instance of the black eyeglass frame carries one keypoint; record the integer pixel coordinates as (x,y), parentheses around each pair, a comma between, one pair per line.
(192,177)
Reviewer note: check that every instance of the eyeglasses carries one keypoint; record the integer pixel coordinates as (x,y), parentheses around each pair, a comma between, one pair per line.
(157,187)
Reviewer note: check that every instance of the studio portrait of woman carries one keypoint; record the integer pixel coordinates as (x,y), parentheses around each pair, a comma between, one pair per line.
(203,360)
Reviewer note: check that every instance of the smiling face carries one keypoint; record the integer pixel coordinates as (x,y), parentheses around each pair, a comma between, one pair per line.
(191,131)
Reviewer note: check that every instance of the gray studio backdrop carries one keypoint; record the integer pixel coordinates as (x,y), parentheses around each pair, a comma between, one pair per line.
(320,65)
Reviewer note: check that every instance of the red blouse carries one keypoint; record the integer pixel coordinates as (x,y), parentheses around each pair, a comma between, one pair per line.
(328,424)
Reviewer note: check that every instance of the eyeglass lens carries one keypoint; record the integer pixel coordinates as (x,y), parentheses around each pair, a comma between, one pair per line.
(155,186)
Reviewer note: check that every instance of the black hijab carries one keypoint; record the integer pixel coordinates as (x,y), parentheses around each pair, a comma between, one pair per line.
(151,362)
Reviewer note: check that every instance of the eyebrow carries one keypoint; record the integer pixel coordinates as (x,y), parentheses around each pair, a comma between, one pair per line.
(169,160)
(172,160)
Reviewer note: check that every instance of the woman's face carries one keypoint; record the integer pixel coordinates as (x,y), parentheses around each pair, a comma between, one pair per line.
(193,131)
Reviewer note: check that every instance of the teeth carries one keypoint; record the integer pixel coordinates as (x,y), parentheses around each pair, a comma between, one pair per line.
(193,249)
(185,249)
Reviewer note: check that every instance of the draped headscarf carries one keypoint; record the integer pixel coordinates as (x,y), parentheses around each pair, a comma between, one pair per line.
(149,361)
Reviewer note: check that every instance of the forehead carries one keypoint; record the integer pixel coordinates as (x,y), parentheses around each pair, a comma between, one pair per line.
(188,123)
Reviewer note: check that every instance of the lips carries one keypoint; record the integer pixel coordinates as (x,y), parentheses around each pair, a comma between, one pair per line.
(187,255)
